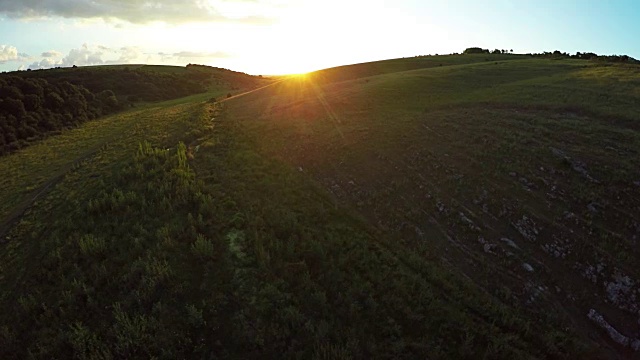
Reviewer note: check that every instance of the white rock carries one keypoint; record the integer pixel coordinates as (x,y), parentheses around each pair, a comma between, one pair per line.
(488,248)
(527,267)
(509,242)
(613,333)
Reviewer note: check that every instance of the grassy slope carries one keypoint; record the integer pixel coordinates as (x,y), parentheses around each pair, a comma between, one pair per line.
(153,86)
(221,248)
(359,71)
(449,160)
(186,266)
(30,169)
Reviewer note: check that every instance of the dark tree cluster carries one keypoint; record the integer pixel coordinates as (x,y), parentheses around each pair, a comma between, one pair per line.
(557,54)
(128,84)
(560,55)
(36,103)
(33,107)
(478,50)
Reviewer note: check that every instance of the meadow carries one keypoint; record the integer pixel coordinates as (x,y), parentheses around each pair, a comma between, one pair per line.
(521,174)
(464,206)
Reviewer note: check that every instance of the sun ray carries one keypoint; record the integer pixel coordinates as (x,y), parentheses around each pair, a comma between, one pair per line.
(327,107)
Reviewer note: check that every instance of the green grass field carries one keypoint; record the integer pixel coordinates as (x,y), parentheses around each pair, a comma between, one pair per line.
(471,206)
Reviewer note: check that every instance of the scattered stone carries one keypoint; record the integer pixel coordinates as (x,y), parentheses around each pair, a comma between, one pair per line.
(488,248)
(534,292)
(560,248)
(593,207)
(526,184)
(636,183)
(510,243)
(300,168)
(469,222)
(527,267)
(580,167)
(592,273)
(527,228)
(512,174)
(559,153)
(484,196)
(577,165)
(613,333)
(621,292)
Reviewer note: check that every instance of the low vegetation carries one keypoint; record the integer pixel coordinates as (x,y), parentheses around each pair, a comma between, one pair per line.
(460,206)
(521,174)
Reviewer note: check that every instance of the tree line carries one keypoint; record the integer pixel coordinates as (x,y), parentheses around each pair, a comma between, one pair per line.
(34,104)
(32,108)
(557,54)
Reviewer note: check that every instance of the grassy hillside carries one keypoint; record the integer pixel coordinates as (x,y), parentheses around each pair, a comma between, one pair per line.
(358,71)
(390,210)
(147,82)
(522,174)
(37,104)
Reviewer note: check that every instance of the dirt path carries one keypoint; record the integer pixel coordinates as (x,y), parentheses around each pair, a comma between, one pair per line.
(19,210)
(250,91)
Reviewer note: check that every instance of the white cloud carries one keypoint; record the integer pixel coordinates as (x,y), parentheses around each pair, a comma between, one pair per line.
(84,56)
(10,53)
(51,54)
(45,63)
(193,54)
(88,55)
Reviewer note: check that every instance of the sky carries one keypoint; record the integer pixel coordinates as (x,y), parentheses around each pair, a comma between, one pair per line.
(294,36)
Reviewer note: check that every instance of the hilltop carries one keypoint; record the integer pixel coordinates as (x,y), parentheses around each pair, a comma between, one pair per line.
(454,206)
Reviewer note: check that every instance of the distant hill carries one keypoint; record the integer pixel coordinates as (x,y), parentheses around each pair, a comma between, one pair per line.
(357,71)
(132,83)
(34,104)
(469,56)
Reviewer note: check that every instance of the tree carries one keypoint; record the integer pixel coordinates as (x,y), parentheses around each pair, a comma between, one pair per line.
(475,50)
(32,102)
(14,107)
(54,101)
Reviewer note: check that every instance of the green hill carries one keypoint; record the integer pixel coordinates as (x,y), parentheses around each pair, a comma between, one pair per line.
(36,104)
(465,206)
